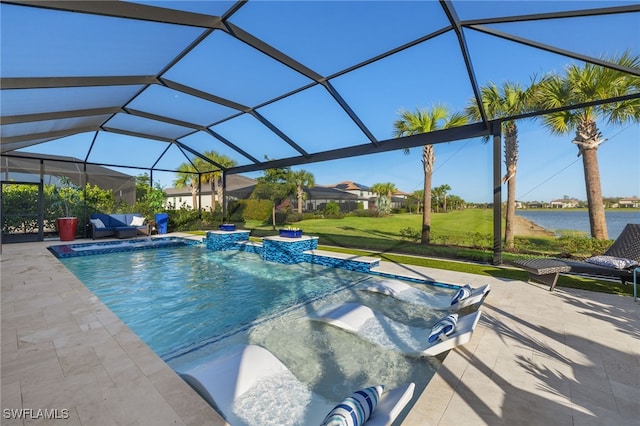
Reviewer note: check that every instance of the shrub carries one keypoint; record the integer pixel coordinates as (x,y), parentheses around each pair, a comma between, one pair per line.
(235,211)
(480,241)
(184,219)
(572,244)
(364,213)
(104,201)
(410,234)
(18,200)
(281,219)
(294,217)
(257,209)
(331,209)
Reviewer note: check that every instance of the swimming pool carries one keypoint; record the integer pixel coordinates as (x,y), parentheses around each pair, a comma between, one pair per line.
(189,302)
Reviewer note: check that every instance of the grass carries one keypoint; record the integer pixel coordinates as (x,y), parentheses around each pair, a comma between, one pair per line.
(466,234)
(380,237)
(569,281)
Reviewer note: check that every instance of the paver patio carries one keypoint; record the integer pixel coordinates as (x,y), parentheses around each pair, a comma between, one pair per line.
(537,358)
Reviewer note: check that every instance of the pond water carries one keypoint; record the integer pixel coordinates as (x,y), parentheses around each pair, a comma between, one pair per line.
(578,220)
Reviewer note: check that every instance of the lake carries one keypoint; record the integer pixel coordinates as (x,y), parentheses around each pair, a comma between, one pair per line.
(578,220)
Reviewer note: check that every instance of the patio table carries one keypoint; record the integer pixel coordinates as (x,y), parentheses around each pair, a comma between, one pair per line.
(545,271)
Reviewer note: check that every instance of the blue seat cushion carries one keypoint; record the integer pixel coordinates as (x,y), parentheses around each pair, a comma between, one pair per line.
(116,220)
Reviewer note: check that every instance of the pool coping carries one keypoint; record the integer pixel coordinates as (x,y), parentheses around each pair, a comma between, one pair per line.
(62,348)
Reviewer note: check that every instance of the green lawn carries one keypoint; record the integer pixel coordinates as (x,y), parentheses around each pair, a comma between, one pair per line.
(464,235)
(452,224)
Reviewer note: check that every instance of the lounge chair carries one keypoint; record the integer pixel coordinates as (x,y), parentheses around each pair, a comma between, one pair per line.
(403,291)
(625,250)
(248,385)
(384,331)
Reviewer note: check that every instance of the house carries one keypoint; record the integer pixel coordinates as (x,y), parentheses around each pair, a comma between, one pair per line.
(238,187)
(366,196)
(347,194)
(319,196)
(564,203)
(316,199)
(535,205)
(363,192)
(631,202)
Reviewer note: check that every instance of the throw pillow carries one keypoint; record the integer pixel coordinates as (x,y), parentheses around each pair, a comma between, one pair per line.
(612,262)
(443,328)
(97,223)
(355,409)
(462,293)
(137,221)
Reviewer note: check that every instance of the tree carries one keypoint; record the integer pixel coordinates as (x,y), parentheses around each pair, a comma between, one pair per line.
(385,191)
(143,184)
(585,83)
(419,196)
(276,185)
(212,173)
(188,176)
(508,100)
(303,179)
(455,202)
(423,121)
(440,192)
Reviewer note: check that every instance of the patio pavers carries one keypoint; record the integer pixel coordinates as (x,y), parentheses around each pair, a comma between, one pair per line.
(536,358)
(63,349)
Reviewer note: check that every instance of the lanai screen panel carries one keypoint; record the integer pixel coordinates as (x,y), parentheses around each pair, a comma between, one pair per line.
(284,83)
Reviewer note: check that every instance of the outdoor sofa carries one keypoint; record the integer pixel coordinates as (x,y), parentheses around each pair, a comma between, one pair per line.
(119,225)
(619,261)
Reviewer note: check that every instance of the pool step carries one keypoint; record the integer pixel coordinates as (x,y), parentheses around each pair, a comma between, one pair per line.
(342,260)
(248,243)
(249,246)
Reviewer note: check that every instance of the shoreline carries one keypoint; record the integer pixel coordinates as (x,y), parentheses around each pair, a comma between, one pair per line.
(524,227)
(576,221)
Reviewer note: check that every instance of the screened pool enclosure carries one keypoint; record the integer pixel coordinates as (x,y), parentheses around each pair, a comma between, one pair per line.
(143,87)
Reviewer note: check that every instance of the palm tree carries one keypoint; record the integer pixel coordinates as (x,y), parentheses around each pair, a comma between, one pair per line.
(423,121)
(188,176)
(455,202)
(385,191)
(440,192)
(303,179)
(213,174)
(583,84)
(508,100)
(419,196)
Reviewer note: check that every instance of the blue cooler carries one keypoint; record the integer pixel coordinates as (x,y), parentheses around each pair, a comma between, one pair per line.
(162,222)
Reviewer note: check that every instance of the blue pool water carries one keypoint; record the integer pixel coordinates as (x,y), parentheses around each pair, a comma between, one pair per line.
(176,299)
(187,303)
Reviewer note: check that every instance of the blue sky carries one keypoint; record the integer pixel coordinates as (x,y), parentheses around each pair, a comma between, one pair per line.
(427,74)
(548,167)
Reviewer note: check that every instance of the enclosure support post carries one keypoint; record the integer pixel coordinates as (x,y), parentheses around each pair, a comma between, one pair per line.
(224,197)
(41,203)
(200,193)
(496,131)
(85,179)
